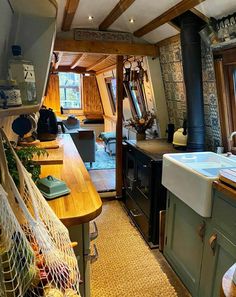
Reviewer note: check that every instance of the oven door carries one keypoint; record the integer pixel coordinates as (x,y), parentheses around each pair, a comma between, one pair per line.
(143,184)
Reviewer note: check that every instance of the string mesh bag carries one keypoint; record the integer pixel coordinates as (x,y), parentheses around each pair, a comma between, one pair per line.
(18,269)
(58,273)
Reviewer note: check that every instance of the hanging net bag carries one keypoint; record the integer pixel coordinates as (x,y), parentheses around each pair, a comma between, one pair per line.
(17,261)
(58,274)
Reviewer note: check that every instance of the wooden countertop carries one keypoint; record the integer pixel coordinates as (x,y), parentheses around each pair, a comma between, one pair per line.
(83,204)
(225,189)
(155,148)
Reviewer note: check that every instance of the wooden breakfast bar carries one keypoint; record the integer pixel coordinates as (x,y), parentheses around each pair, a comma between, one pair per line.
(78,208)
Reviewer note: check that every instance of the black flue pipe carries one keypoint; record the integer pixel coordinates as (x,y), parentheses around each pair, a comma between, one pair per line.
(192,67)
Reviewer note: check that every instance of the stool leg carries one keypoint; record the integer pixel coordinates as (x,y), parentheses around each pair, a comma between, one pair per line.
(91,164)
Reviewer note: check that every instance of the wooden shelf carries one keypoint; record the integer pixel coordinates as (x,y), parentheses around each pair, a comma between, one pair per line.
(19,110)
(224,45)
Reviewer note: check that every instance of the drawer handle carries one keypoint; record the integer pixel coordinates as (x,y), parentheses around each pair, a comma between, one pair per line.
(135,213)
(93,235)
(201,230)
(212,242)
(94,257)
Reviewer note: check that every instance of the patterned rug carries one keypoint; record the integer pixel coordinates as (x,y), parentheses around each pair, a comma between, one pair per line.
(125,266)
(102,159)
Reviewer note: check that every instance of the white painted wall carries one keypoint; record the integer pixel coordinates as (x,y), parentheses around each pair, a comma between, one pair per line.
(157,88)
(5,28)
(109,118)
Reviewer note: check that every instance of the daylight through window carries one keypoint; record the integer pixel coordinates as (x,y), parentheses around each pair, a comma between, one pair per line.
(70,94)
(111,87)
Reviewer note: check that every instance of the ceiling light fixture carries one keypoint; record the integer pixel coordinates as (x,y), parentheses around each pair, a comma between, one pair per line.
(131,20)
(90,17)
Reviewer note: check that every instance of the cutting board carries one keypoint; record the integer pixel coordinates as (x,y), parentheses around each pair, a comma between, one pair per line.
(43,144)
(53,144)
(228,176)
(55,156)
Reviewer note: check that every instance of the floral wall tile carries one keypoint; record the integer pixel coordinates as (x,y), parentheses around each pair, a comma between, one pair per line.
(172,72)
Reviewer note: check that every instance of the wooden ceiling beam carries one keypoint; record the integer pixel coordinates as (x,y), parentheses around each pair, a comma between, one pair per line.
(80,58)
(200,15)
(69,13)
(100,61)
(59,58)
(167,16)
(104,47)
(76,69)
(116,12)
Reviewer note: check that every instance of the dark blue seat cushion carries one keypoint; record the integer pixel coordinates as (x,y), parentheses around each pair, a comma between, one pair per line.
(93,121)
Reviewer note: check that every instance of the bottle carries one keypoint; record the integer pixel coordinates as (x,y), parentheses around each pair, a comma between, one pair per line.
(23,72)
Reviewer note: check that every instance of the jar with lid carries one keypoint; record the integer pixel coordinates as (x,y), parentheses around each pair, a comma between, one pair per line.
(10,95)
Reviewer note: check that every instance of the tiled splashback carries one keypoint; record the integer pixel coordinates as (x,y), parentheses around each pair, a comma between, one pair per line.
(172,71)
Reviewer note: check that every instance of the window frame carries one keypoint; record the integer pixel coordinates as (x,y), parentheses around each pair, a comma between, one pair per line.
(72,87)
(225,72)
(111,95)
(139,98)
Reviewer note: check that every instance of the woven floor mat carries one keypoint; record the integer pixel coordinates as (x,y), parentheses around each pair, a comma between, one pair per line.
(126,267)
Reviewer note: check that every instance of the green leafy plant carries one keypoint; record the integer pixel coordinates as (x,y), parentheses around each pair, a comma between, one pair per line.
(26,155)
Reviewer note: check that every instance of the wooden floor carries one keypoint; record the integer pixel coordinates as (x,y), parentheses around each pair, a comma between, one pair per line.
(104,180)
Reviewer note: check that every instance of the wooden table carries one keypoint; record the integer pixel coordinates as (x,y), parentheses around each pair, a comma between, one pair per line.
(83,204)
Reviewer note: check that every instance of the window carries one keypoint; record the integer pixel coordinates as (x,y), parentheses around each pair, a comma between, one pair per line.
(136,97)
(111,88)
(70,95)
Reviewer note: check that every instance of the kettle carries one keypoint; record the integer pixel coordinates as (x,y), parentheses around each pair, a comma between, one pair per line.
(180,136)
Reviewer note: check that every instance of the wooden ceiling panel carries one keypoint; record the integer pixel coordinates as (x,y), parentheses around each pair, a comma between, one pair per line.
(106,62)
(90,60)
(68,58)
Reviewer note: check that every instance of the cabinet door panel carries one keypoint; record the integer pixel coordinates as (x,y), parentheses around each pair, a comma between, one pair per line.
(130,171)
(138,217)
(143,192)
(183,246)
(223,215)
(216,261)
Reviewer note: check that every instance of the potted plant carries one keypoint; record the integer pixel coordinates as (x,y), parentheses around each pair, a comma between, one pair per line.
(141,124)
(26,155)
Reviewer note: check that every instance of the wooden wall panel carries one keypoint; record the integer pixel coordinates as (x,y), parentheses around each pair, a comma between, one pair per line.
(92,105)
(52,99)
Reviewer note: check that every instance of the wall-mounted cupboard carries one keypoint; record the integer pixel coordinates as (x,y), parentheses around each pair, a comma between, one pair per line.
(32,25)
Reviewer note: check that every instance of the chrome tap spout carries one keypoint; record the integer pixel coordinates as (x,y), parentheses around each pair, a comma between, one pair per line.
(231,135)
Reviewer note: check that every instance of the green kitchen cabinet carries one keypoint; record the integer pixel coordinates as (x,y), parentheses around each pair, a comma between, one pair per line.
(201,250)
(184,242)
(220,245)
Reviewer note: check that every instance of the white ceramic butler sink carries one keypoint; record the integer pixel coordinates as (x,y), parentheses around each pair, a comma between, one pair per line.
(189,176)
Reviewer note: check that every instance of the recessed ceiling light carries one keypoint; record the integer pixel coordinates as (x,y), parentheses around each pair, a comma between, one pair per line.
(90,17)
(131,20)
